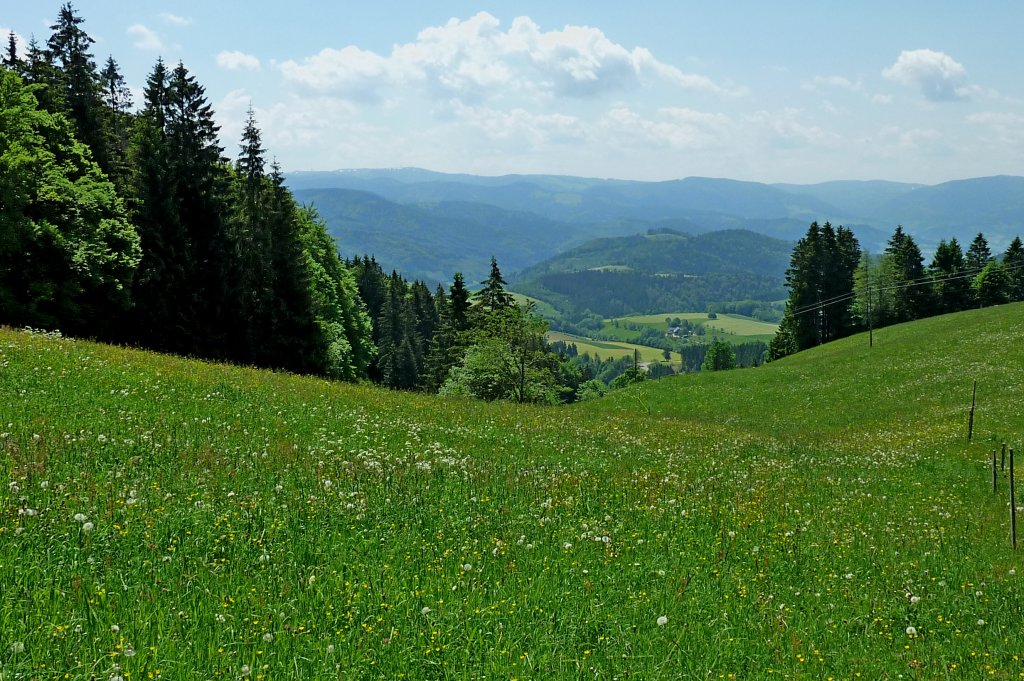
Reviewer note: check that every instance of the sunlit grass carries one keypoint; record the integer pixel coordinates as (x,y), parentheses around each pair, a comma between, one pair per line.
(161,518)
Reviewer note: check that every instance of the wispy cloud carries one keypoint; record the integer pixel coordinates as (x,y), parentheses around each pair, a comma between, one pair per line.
(233,60)
(840,82)
(174,19)
(145,38)
(474,59)
(940,77)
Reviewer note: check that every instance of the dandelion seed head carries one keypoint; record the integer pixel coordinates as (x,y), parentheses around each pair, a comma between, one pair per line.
(911,631)
(88,527)
(662,621)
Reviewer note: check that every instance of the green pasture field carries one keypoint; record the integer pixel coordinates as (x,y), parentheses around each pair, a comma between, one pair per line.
(542,308)
(606,349)
(823,516)
(737,328)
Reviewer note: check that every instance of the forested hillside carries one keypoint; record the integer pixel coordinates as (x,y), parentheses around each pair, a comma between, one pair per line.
(126,222)
(660,271)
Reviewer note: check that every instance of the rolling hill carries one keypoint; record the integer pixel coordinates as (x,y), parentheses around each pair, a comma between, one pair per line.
(658,271)
(822,516)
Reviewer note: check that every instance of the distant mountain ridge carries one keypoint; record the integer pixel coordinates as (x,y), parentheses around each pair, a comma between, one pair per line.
(431,224)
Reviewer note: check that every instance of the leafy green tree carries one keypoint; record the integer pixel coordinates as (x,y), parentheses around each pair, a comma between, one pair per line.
(633,374)
(719,357)
(339,313)
(1013,259)
(992,285)
(508,360)
(67,249)
(591,390)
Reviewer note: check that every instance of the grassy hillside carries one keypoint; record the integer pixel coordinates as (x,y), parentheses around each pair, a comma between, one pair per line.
(819,517)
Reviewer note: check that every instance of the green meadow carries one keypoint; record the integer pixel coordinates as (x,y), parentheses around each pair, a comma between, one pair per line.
(820,517)
(738,328)
(605,349)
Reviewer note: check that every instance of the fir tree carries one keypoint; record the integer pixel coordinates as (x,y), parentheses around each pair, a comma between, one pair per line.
(912,298)
(11,59)
(978,254)
(493,296)
(1013,259)
(952,286)
(460,305)
(79,81)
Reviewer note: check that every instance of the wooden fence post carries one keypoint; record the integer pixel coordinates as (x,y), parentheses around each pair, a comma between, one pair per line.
(970,423)
(994,474)
(1013,506)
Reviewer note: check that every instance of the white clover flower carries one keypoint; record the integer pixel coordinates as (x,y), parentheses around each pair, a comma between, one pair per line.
(662,621)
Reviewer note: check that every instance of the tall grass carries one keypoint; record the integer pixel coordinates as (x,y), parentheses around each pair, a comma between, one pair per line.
(822,517)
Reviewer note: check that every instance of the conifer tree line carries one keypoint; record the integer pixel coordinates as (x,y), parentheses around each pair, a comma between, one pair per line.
(131,224)
(127,222)
(836,288)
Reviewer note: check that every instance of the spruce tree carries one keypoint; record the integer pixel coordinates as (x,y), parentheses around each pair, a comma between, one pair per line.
(200,180)
(79,81)
(952,286)
(11,59)
(460,305)
(117,124)
(493,296)
(1013,259)
(160,315)
(978,254)
(912,297)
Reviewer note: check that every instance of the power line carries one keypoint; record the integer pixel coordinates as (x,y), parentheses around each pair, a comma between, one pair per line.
(924,281)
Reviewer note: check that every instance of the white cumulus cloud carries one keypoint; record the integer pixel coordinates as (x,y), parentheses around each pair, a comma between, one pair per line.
(145,38)
(940,77)
(474,59)
(233,60)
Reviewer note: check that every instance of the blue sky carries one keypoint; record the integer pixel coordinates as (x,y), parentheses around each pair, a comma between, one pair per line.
(772,92)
